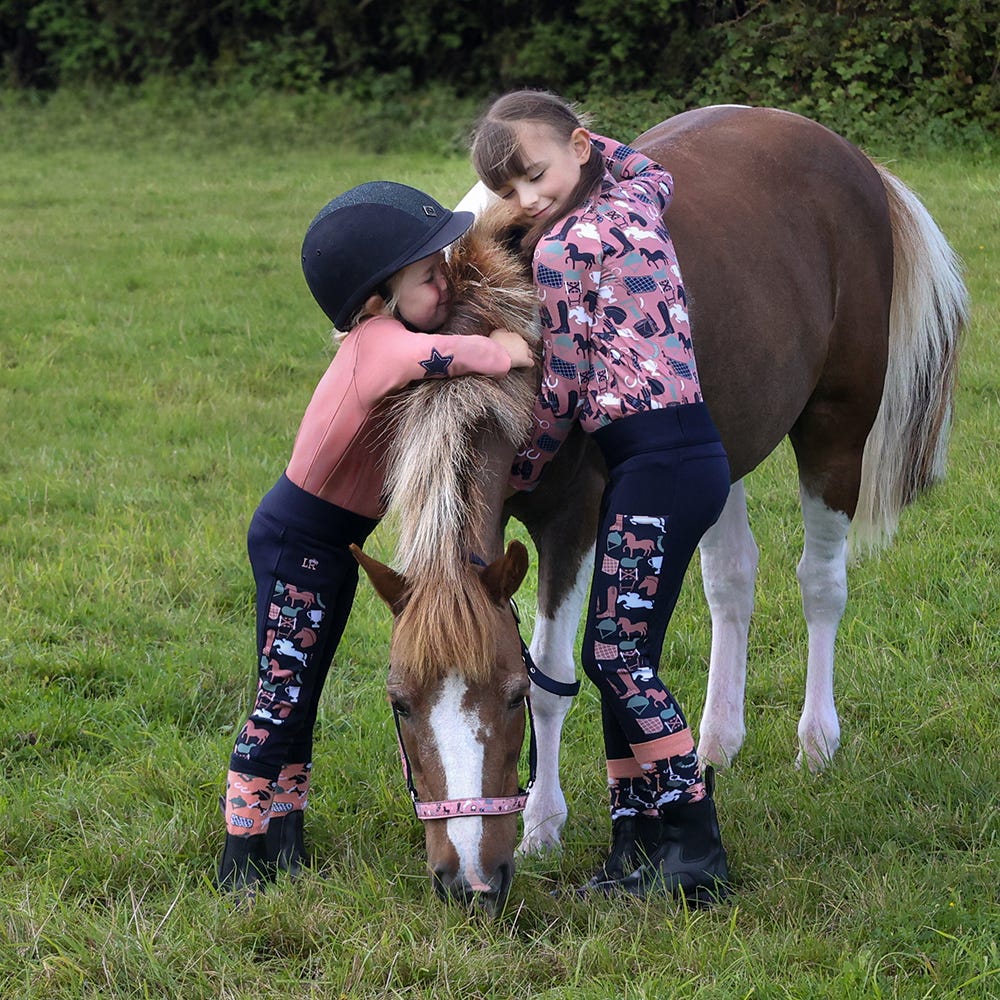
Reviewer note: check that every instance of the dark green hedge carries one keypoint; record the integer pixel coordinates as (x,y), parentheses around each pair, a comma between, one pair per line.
(896,63)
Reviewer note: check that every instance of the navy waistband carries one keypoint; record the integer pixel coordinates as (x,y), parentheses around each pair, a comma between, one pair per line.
(655,430)
(314,516)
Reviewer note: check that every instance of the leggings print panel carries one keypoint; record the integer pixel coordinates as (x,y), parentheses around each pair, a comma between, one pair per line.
(625,585)
(292,628)
(305,589)
(655,510)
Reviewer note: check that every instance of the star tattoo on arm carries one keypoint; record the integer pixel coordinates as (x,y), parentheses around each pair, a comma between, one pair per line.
(437,364)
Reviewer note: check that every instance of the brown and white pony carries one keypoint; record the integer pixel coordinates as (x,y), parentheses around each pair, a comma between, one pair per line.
(827,306)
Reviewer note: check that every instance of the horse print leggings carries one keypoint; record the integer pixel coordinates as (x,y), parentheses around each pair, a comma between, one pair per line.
(668,482)
(306,578)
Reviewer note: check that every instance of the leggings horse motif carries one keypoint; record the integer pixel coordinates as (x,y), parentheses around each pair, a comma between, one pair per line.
(668,482)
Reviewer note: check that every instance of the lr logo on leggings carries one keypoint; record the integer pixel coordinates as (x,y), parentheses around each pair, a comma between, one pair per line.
(308,563)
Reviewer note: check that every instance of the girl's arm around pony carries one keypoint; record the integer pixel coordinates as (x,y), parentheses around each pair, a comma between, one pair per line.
(648,181)
(389,356)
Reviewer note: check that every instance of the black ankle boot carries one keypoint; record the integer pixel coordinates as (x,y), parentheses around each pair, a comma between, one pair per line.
(689,860)
(633,839)
(286,849)
(243,868)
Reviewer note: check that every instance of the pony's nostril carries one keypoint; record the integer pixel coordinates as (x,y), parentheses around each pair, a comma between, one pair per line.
(443,881)
(454,887)
(503,877)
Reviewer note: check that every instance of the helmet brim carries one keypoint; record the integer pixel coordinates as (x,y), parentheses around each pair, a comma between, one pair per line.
(455,226)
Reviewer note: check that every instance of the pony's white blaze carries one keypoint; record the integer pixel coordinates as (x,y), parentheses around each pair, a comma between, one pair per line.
(459,735)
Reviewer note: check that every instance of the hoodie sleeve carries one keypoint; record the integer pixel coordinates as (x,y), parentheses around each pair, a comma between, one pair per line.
(650,182)
(566,264)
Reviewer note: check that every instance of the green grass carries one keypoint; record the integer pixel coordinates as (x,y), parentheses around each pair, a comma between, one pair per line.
(158,345)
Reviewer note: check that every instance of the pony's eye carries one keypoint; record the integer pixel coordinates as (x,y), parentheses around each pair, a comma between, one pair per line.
(517,701)
(399,706)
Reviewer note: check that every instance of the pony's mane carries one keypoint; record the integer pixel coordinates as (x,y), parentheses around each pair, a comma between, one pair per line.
(434,457)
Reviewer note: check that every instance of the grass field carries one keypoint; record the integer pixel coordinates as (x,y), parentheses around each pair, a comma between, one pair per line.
(158,346)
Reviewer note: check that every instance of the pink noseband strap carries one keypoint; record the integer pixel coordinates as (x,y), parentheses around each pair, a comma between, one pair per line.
(449,808)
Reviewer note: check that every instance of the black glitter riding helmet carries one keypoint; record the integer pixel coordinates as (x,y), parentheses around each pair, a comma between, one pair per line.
(365,236)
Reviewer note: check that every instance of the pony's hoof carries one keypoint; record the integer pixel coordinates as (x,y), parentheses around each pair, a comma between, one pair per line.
(717,751)
(816,750)
(534,845)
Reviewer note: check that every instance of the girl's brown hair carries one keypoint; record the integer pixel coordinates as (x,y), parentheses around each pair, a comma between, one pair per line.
(496,149)
(388,293)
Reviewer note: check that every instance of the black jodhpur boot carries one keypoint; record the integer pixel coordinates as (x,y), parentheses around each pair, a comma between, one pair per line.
(286,849)
(243,867)
(689,859)
(633,840)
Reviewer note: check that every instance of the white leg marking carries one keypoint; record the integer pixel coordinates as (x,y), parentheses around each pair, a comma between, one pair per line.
(461,754)
(822,575)
(552,649)
(729,557)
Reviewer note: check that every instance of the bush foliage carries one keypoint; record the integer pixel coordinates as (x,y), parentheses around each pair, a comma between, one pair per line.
(855,65)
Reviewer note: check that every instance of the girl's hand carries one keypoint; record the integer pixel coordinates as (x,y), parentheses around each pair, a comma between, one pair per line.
(516,346)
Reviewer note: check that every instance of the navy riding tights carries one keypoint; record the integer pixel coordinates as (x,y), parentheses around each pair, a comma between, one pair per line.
(668,482)
(306,578)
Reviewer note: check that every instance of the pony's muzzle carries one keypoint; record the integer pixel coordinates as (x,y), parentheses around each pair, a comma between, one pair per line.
(456,888)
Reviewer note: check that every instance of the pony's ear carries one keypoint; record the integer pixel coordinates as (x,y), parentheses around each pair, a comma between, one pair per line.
(388,584)
(504,575)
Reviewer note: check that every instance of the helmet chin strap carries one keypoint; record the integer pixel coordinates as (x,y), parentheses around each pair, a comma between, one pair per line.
(385,293)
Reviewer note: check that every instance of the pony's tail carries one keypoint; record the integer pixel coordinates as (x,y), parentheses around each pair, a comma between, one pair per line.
(906,449)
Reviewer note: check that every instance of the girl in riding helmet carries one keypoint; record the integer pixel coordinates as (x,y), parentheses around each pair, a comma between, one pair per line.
(373,260)
(619,358)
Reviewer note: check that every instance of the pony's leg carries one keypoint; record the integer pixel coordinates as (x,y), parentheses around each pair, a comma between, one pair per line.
(561,516)
(729,570)
(552,646)
(822,574)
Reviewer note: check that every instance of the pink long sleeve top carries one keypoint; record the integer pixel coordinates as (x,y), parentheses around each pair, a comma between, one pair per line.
(339,452)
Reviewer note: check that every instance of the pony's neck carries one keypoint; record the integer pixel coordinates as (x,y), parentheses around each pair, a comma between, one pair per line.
(485,528)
